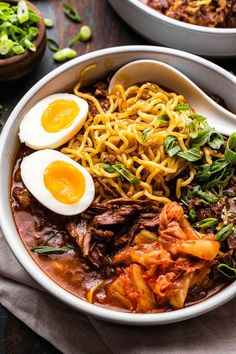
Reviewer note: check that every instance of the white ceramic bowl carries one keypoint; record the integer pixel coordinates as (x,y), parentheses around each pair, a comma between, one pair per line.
(207,75)
(158,28)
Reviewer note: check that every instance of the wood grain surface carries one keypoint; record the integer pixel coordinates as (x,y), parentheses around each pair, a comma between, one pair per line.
(108,30)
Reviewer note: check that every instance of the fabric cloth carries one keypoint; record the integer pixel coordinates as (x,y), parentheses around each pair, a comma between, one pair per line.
(73,333)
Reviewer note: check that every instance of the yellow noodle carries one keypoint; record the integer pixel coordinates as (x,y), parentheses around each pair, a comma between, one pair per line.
(118,133)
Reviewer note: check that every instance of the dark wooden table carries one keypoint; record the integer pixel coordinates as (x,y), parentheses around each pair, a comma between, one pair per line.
(109,30)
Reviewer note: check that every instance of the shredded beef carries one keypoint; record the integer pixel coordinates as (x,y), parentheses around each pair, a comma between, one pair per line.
(121,216)
(108,227)
(108,190)
(80,231)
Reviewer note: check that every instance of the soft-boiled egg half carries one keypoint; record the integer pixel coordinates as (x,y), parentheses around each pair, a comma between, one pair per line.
(56,181)
(53,121)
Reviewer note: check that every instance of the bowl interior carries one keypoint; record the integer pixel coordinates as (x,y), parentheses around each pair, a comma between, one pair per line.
(62,80)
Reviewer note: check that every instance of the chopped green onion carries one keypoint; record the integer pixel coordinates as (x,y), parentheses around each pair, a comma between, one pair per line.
(53,45)
(164,118)
(230,151)
(185,202)
(71,12)
(51,249)
(206,223)
(224,233)
(198,117)
(30,45)
(48,22)
(64,54)
(201,138)
(215,140)
(85,34)
(191,128)
(145,134)
(33,17)
(122,170)
(227,271)
(22,11)
(208,197)
(192,215)
(4,5)
(18,49)
(182,107)
(218,173)
(171,145)
(17,29)
(5,46)
(74,40)
(193,154)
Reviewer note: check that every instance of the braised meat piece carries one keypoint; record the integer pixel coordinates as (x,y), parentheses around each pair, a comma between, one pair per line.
(22,196)
(108,190)
(105,228)
(80,231)
(121,216)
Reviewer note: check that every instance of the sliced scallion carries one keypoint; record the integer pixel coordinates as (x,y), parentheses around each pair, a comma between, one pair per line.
(227,271)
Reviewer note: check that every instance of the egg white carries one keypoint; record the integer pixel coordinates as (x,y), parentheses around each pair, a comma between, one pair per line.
(32,173)
(35,136)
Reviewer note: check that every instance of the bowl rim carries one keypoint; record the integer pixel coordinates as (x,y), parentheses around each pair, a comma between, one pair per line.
(183,25)
(36,272)
(41,36)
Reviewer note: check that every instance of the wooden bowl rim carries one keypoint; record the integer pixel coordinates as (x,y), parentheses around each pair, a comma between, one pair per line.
(38,40)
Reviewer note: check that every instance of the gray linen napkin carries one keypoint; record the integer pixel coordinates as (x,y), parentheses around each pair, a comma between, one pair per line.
(73,333)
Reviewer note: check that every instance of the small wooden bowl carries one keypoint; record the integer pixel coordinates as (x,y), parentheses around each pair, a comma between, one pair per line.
(20,65)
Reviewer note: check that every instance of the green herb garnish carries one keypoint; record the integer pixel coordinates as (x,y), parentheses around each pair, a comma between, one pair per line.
(230,151)
(198,117)
(71,12)
(192,215)
(164,118)
(51,249)
(48,22)
(53,45)
(215,140)
(182,107)
(226,270)
(22,12)
(193,154)
(224,233)
(122,170)
(201,138)
(171,145)
(145,134)
(64,54)
(206,223)
(84,35)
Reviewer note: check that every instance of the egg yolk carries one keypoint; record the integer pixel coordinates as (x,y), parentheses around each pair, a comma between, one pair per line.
(59,115)
(64,181)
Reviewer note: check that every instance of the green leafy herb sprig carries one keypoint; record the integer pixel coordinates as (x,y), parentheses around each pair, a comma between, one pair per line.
(200,133)
(221,170)
(122,170)
(18,29)
(44,249)
(205,198)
